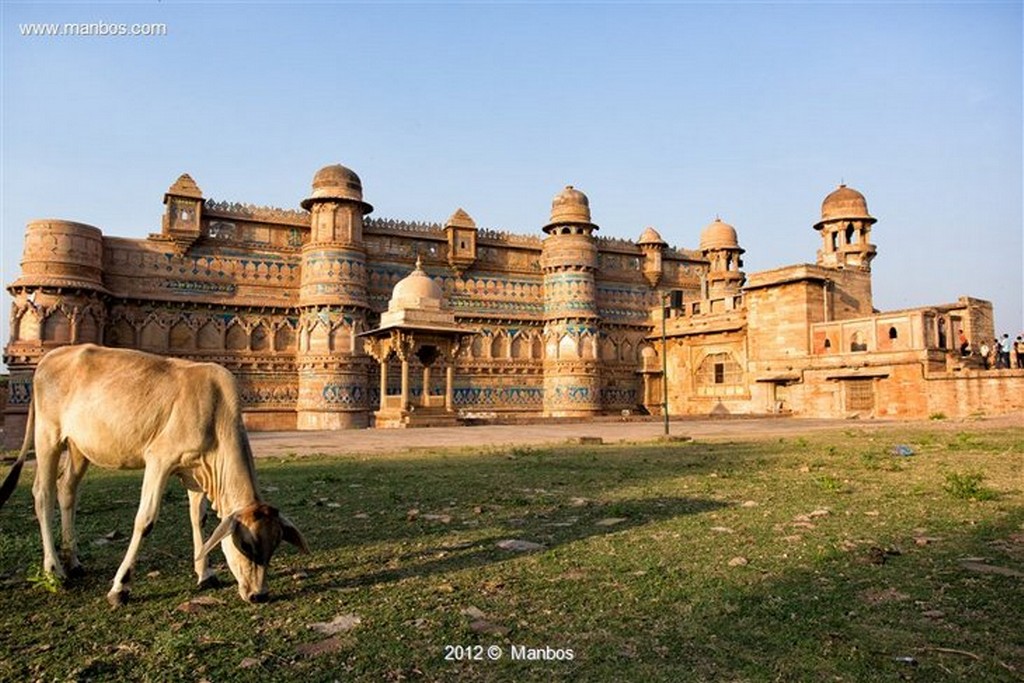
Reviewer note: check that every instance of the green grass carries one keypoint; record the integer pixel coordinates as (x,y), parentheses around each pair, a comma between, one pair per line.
(967,486)
(853,558)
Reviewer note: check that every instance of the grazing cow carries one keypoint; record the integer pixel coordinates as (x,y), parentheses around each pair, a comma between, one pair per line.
(125,409)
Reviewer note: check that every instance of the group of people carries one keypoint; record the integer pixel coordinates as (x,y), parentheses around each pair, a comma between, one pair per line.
(1000,353)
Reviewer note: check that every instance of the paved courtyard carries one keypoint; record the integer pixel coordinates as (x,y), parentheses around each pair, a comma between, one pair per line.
(610,431)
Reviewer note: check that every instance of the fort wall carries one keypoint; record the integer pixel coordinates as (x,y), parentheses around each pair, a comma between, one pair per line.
(563,321)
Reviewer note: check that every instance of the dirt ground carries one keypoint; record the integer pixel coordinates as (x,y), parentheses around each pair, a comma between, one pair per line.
(609,431)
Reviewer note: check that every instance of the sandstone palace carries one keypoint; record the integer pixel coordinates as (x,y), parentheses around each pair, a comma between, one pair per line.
(332,319)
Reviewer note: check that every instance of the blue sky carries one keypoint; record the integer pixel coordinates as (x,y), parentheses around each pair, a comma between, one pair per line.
(665,114)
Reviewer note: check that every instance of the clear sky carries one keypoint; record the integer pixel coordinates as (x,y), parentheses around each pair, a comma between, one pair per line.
(665,114)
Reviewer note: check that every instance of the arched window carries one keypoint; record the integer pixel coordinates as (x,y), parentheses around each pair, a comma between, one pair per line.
(828,343)
(260,339)
(284,338)
(893,334)
(57,327)
(850,233)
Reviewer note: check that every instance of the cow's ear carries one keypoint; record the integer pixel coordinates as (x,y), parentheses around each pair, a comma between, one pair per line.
(291,533)
(224,529)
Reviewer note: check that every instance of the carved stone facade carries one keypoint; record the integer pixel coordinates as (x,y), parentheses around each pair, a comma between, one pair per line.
(806,339)
(281,298)
(564,323)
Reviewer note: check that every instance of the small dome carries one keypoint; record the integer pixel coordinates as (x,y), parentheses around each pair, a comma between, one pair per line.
(718,235)
(336,182)
(570,206)
(417,290)
(650,236)
(842,203)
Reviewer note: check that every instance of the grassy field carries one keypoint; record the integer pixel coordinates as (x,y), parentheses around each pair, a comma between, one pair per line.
(825,558)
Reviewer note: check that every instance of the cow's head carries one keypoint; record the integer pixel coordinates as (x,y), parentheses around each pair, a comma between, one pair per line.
(249,538)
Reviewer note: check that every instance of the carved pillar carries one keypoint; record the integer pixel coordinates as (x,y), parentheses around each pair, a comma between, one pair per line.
(405,382)
(449,382)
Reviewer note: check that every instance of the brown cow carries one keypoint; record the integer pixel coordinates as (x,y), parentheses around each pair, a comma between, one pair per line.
(131,410)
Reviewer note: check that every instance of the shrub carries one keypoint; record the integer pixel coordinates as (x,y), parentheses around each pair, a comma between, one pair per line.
(967,486)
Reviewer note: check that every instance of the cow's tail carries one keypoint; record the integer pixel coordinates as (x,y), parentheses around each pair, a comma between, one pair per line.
(11,480)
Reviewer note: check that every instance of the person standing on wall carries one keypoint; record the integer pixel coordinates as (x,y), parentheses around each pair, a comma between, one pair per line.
(965,346)
(1004,351)
(984,351)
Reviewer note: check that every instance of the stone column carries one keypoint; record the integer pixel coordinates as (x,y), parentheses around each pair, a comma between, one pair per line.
(425,398)
(405,383)
(383,383)
(449,381)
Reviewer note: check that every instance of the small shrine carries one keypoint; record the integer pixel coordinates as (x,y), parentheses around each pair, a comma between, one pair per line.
(417,326)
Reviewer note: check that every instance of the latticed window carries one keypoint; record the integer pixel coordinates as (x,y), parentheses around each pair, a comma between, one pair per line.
(719,369)
(860,394)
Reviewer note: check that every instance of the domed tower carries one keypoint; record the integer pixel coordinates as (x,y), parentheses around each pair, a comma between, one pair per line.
(719,245)
(333,305)
(59,299)
(572,382)
(653,247)
(845,228)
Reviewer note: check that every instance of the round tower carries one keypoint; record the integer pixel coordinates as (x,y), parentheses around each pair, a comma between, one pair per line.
(572,381)
(333,305)
(845,228)
(720,246)
(58,300)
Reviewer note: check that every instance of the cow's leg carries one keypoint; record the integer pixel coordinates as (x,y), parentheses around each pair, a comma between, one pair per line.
(44,490)
(197,508)
(67,493)
(153,482)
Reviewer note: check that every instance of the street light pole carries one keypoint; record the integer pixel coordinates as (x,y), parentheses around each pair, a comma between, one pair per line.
(664,360)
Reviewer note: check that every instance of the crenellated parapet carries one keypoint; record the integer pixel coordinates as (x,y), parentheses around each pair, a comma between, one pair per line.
(253,212)
(391,225)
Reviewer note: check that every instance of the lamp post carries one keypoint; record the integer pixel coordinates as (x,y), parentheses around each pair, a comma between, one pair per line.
(664,359)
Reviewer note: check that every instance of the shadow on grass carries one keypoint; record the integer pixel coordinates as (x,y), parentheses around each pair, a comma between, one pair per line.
(446,553)
(372,498)
(551,496)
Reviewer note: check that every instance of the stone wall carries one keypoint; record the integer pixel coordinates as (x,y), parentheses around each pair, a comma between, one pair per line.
(229,288)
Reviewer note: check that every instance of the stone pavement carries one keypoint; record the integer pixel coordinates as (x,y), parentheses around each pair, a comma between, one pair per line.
(610,431)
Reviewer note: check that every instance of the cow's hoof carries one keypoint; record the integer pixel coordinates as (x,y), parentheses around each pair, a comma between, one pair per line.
(117,598)
(209,582)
